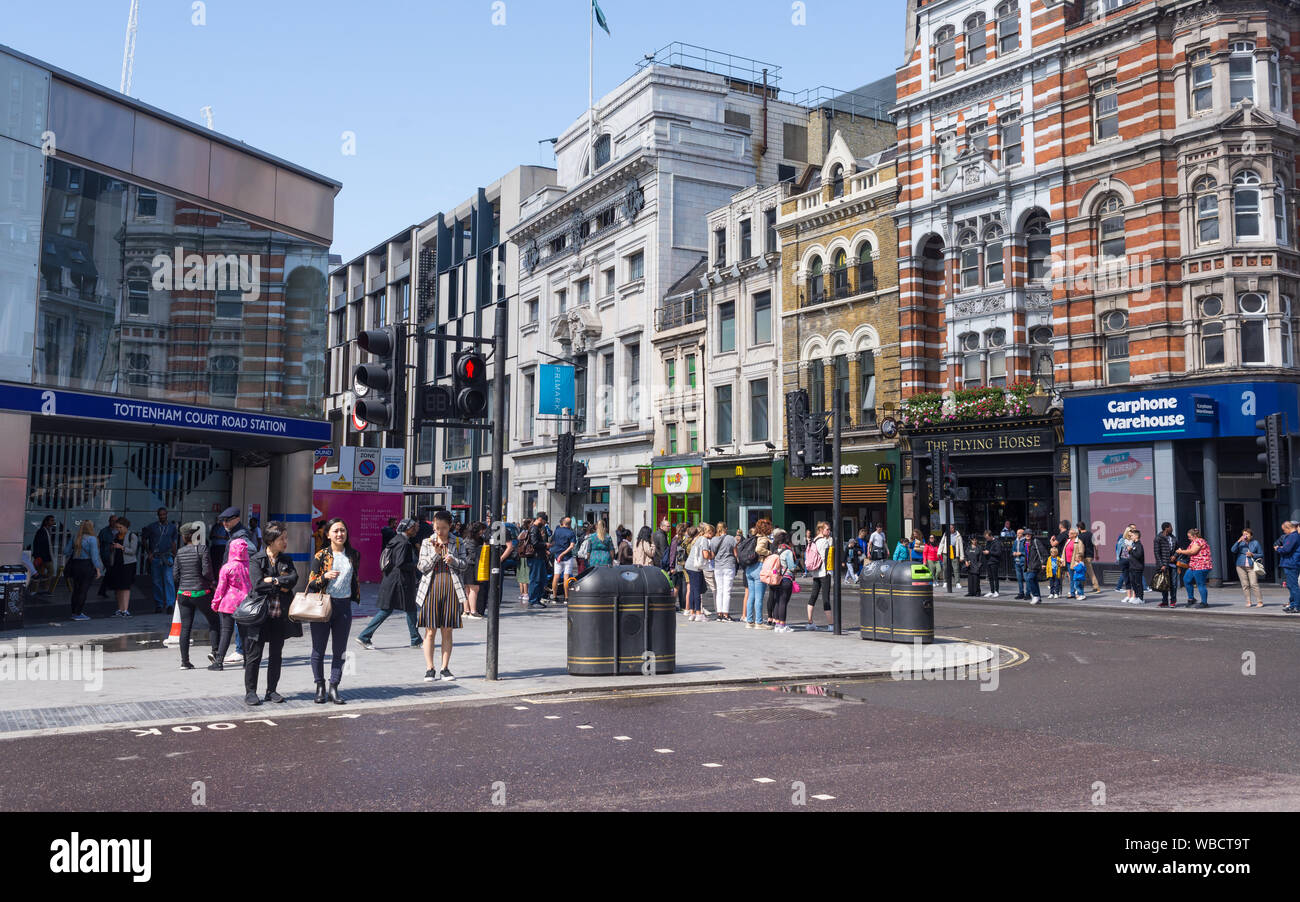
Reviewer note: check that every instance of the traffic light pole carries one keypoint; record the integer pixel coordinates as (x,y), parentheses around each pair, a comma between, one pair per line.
(838,541)
(498,492)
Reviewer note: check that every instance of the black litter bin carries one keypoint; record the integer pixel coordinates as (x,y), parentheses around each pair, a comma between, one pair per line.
(897,602)
(622,614)
(13,595)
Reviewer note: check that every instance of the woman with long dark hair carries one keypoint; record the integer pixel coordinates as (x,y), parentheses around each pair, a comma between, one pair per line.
(643,552)
(121,574)
(270,572)
(334,571)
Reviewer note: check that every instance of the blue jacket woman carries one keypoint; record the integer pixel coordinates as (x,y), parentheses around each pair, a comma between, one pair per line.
(1247,552)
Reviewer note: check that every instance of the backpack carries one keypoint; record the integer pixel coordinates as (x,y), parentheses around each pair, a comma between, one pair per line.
(525,545)
(812,557)
(386,559)
(772,571)
(747,552)
(669,557)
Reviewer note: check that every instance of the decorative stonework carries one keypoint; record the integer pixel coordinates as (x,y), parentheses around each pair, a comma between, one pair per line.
(978,306)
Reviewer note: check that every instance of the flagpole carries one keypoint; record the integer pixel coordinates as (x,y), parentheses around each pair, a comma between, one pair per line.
(591,87)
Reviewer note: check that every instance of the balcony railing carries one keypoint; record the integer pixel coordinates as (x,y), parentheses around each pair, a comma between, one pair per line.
(842,290)
(680,312)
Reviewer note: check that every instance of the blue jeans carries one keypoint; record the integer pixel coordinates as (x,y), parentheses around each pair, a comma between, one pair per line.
(1020,577)
(380,616)
(333,633)
(1291,579)
(536,578)
(1122,582)
(757,589)
(1193,579)
(1076,583)
(1031,582)
(239,639)
(164,589)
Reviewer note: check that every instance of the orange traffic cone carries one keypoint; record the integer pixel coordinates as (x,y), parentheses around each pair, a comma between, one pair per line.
(174,639)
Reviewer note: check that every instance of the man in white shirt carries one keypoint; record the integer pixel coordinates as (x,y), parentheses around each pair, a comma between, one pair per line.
(879,544)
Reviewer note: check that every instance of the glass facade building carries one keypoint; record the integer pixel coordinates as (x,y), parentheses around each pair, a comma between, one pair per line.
(162,315)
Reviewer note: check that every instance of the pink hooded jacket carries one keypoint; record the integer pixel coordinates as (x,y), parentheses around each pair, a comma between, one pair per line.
(233,586)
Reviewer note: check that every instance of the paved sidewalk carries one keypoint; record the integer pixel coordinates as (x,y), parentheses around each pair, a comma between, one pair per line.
(143,685)
(1223,600)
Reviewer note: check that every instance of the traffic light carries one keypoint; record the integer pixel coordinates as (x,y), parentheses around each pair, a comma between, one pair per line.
(1270,446)
(925,479)
(815,442)
(949,485)
(469,386)
(796,428)
(580,482)
(436,402)
(563,463)
(381,384)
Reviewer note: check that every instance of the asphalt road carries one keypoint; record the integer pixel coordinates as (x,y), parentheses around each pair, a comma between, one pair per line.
(1111,710)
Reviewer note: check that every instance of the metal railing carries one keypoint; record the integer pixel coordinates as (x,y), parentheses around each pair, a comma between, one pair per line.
(851,103)
(680,312)
(728,65)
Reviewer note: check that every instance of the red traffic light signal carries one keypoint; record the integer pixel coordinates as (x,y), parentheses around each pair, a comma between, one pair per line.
(470,386)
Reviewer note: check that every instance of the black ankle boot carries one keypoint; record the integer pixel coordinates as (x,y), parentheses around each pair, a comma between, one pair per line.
(334,694)
(320,692)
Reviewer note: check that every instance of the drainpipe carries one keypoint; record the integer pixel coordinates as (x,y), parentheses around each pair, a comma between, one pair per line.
(762,148)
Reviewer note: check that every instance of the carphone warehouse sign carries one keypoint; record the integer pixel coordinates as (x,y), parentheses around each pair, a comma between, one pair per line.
(1192,412)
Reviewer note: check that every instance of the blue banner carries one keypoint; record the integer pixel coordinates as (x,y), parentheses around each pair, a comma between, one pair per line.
(1189,412)
(107,408)
(555,390)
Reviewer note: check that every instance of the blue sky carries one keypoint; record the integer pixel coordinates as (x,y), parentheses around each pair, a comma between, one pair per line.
(441,100)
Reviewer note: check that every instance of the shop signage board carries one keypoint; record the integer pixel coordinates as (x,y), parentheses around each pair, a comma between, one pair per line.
(987,442)
(1194,412)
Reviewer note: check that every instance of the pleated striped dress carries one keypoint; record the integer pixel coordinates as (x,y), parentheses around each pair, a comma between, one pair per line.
(440,608)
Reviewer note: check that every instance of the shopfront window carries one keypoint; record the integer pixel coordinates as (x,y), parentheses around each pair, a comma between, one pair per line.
(113,280)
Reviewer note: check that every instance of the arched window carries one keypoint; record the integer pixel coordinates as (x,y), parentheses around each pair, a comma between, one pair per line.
(1207,209)
(223,376)
(1245,204)
(1008,16)
(1110,228)
(837,181)
(816,282)
(137,369)
(945,50)
(866,268)
(1281,214)
(972,364)
(1211,331)
(602,151)
(976,42)
(993,244)
(840,273)
(1241,72)
(1202,80)
(1038,246)
(970,260)
(1115,327)
(1254,332)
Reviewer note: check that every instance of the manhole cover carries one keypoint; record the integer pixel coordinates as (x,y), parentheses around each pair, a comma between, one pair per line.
(772,715)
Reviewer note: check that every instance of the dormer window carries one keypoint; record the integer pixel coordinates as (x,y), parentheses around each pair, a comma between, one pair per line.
(837,181)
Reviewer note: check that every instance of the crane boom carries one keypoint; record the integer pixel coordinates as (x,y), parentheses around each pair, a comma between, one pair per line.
(128,54)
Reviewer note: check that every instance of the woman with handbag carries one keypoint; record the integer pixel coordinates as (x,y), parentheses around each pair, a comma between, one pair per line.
(1199,565)
(693,545)
(1164,580)
(1250,556)
(272,576)
(442,561)
(333,572)
(782,590)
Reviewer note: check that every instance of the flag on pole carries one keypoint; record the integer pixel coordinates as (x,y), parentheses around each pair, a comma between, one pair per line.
(600,17)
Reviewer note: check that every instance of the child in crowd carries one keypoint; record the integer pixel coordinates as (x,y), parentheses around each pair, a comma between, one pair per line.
(1055,565)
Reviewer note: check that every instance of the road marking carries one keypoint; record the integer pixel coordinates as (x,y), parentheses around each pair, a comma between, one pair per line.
(521,707)
(176,754)
(585,726)
(130,758)
(764,780)
(622,738)
(552,717)
(823,797)
(1079,658)
(344,716)
(711,764)
(664,751)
